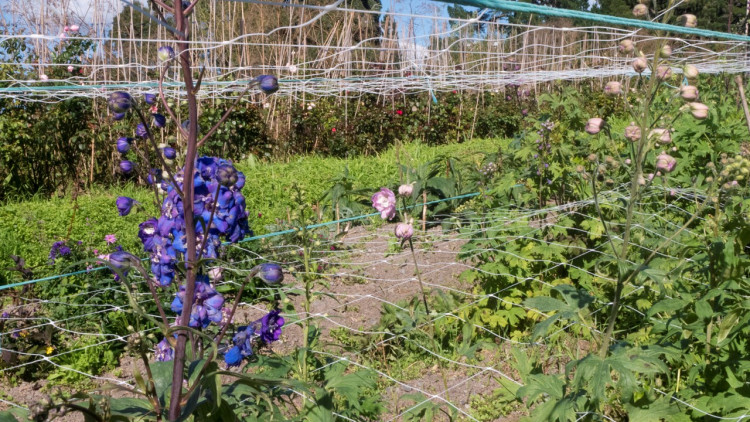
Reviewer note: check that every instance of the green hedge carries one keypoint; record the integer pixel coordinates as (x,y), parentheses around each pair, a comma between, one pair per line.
(29,228)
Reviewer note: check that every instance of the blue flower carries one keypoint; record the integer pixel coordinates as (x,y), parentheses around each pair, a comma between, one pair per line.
(150,98)
(165,53)
(124,205)
(119,102)
(207,303)
(226,174)
(270,273)
(141,130)
(233,357)
(268,83)
(169,153)
(122,261)
(163,351)
(123,144)
(118,116)
(271,324)
(126,166)
(159,120)
(58,249)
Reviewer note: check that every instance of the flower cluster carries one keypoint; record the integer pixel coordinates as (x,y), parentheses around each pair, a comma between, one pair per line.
(385,202)
(488,169)
(58,249)
(207,303)
(263,331)
(218,205)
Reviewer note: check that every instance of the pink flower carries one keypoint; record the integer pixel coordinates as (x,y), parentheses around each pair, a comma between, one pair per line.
(405,190)
(66,29)
(594,125)
(70,68)
(333,129)
(74,28)
(399,112)
(633,132)
(404,231)
(110,238)
(665,162)
(385,202)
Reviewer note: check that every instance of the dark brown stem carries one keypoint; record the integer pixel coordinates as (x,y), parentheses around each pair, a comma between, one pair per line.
(164,100)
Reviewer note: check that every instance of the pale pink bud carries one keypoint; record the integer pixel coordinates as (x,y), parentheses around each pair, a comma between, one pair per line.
(663,72)
(640,64)
(405,190)
(663,136)
(689,92)
(594,125)
(70,68)
(66,29)
(690,71)
(666,50)
(690,20)
(665,162)
(613,88)
(74,28)
(699,110)
(43,77)
(628,161)
(404,231)
(633,132)
(62,35)
(640,10)
(626,47)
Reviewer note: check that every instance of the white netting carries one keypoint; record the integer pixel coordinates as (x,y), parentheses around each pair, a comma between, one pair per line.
(330,49)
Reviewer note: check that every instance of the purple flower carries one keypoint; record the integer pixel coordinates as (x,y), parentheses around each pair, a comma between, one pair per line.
(207,303)
(119,102)
(159,120)
(164,351)
(271,324)
(124,205)
(123,144)
(126,166)
(268,83)
(385,202)
(141,130)
(118,116)
(169,153)
(270,273)
(122,261)
(165,53)
(149,98)
(58,249)
(226,174)
(110,238)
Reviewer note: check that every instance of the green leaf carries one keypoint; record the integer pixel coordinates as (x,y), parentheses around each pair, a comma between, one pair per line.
(544,304)
(666,305)
(727,324)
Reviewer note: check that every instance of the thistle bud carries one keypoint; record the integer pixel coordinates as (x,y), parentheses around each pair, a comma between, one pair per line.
(663,72)
(405,190)
(699,110)
(613,88)
(690,20)
(690,71)
(640,64)
(666,50)
(689,92)
(633,132)
(626,47)
(404,231)
(640,10)
(665,162)
(594,125)
(663,136)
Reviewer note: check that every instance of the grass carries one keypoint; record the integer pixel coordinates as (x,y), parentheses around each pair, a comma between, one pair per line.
(28,228)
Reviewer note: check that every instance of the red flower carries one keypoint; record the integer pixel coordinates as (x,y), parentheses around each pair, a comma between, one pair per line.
(333,129)
(455,92)
(399,112)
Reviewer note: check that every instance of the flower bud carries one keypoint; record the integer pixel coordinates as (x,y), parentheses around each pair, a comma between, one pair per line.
(70,68)
(141,131)
(663,136)
(613,88)
(640,10)
(120,102)
(626,47)
(122,260)
(594,125)
(268,83)
(227,175)
(663,72)
(688,92)
(665,162)
(270,273)
(123,145)
(404,231)
(126,166)
(699,110)
(118,116)
(628,161)
(690,71)
(690,20)
(405,190)
(640,64)
(165,53)
(43,77)
(73,28)
(159,120)
(666,50)
(633,132)
(169,153)
(149,98)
